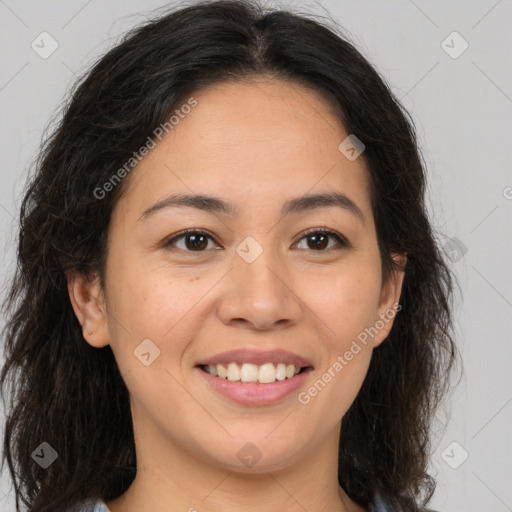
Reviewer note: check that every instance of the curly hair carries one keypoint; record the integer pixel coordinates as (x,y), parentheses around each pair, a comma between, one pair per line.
(71,395)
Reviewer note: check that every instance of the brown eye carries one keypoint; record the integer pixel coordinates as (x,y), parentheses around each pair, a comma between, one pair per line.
(318,240)
(195,241)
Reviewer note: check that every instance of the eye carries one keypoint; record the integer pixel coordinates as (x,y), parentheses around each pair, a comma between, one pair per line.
(320,237)
(195,240)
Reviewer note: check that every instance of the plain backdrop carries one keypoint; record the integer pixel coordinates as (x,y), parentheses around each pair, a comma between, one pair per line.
(461,101)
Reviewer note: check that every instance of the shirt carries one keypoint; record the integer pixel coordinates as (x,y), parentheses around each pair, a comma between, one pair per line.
(378,505)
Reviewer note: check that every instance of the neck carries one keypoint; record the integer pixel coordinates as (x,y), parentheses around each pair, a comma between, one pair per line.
(176,477)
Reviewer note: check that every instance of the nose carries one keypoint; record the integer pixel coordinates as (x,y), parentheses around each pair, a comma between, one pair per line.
(260,295)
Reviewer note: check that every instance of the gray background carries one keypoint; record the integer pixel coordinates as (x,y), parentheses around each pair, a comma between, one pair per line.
(462,107)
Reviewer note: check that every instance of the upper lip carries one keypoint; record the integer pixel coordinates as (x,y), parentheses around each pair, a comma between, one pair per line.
(257,357)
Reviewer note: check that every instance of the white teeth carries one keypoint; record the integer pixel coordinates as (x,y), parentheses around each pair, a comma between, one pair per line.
(222,372)
(281,371)
(248,372)
(233,372)
(267,373)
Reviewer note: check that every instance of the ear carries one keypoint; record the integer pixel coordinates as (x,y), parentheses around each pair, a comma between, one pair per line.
(389,299)
(89,306)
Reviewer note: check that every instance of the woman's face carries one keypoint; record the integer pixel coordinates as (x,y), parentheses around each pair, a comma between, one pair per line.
(252,279)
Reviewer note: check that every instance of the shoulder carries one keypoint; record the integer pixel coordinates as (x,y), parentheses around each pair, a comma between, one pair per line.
(381,504)
(97,506)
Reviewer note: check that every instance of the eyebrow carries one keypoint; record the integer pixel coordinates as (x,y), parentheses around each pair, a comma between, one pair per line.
(212,204)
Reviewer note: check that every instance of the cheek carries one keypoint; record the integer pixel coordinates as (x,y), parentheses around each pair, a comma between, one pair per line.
(160,315)
(156,303)
(347,301)
(347,307)
(338,381)
(153,314)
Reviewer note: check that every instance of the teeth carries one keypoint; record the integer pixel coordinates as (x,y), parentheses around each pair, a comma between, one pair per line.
(221,371)
(248,372)
(281,372)
(233,372)
(267,373)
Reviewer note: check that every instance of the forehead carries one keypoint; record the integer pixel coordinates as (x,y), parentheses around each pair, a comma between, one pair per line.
(262,140)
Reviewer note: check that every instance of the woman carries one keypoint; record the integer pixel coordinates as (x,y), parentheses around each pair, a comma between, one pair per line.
(229,294)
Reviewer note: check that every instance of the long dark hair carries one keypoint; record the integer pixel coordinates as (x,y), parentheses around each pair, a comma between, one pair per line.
(71,395)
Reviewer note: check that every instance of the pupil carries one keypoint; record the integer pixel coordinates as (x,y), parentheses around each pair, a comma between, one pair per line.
(316,237)
(198,241)
(194,239)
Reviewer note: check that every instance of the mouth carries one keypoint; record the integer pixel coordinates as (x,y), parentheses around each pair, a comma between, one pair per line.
(255,378)
(249,373)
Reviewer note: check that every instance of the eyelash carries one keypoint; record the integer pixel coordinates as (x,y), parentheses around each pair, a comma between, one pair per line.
(341,241)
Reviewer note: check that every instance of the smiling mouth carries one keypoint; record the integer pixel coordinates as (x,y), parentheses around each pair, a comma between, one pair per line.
(254,374)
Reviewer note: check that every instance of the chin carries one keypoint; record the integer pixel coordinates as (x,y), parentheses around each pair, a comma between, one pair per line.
(257,456)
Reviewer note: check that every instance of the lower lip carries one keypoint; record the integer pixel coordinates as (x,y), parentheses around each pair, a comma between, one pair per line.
(255,393)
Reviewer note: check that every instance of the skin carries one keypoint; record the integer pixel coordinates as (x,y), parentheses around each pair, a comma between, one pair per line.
(257,145)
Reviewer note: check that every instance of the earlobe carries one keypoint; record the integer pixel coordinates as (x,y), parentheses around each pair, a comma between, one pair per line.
(390,298)
(87,300)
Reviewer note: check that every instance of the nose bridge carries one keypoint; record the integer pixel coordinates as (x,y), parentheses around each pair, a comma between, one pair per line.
(261,293)
(259,264)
